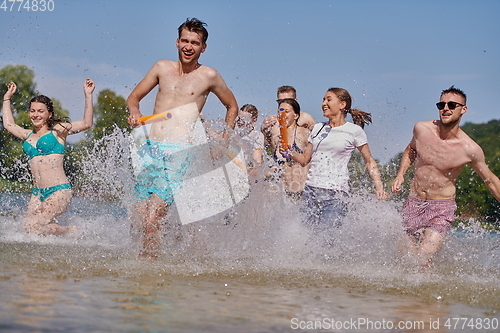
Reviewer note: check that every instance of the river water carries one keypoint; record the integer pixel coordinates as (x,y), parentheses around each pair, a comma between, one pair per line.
(251,269)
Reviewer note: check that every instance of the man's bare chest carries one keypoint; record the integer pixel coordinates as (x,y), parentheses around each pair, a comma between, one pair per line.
(441,154)
(193,86)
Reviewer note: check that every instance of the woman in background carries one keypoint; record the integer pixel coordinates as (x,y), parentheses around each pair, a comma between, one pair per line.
(328,151)
(293,174)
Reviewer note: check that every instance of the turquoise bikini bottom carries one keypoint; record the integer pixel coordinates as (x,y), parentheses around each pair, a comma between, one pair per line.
(44,193)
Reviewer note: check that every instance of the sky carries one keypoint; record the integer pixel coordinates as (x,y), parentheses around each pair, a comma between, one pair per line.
(393,56)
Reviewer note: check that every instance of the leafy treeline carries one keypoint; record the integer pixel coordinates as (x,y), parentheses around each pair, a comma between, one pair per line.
(473,198)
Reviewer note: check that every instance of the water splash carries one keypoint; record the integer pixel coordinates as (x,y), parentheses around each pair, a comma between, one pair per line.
(261,237)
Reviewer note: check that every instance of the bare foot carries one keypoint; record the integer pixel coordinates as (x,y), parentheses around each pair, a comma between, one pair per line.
(425,268)
(148,255)
(72,228)
(51,229)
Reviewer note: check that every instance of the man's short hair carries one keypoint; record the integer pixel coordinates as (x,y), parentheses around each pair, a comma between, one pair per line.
(456,91)
(287,89)
(195,25)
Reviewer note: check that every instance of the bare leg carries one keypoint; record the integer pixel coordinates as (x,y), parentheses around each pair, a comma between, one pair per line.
(41,215)
(408,245)
(430,242)
(149,213)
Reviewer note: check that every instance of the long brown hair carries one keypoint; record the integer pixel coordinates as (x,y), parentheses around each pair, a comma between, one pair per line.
(360,118)
(50,108)
(294,104)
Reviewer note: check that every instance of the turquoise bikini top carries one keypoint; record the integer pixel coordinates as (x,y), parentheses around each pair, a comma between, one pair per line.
(47,144)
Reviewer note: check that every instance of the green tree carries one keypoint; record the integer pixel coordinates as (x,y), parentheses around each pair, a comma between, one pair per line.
(474,198)
(24,78)
(12,161)
(389,172)
(110,125)
(110,112)
(359,177)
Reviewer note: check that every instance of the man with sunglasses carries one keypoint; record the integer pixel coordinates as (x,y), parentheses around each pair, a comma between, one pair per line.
(439,149)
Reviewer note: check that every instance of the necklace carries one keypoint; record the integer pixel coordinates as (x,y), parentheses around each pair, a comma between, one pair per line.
(323,136)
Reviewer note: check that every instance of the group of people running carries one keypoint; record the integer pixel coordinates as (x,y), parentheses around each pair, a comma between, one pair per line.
(313,166)
(313,169)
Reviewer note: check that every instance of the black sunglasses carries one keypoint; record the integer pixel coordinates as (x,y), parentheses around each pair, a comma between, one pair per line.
(451,105)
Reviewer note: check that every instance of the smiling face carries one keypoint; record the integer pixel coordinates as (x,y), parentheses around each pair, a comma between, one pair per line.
(332,105)
(451,117)
(39,114)
(190,46)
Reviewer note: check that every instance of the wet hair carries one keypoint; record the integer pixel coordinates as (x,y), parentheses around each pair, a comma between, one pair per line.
(252,110)
(456,91)
(294,104)
(195,25)
(50,108)
(359,117)
(287,89)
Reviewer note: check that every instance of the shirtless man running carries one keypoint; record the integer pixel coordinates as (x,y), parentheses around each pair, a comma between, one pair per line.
(439,149)
(183,88)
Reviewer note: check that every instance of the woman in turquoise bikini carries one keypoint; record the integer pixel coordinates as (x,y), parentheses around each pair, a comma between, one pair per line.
(44,146)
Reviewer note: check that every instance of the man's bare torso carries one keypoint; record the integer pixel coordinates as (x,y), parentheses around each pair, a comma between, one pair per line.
(183,95)
(439,161)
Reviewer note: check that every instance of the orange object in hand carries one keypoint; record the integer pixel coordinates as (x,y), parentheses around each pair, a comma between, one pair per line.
(155,117)
(283,129)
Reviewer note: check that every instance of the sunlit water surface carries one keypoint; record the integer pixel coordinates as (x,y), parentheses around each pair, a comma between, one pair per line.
(253,269)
